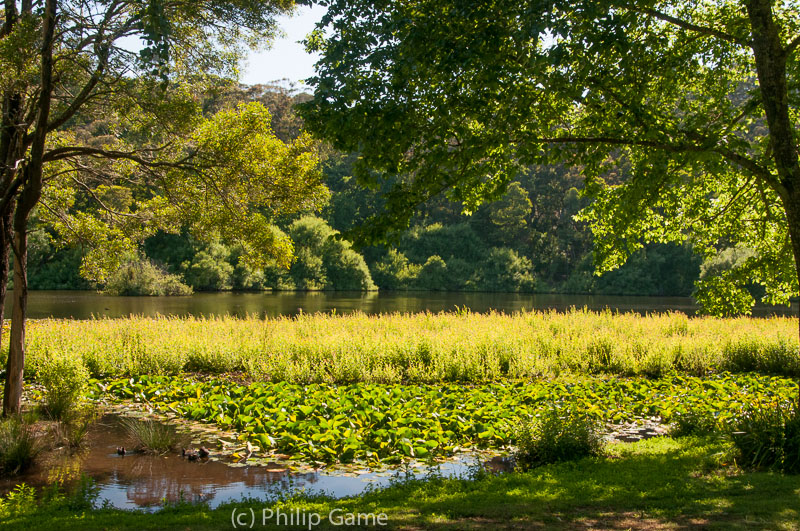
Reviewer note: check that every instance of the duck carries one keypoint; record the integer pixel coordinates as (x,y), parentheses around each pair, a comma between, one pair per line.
(203,452)
(190,454)
(121,450)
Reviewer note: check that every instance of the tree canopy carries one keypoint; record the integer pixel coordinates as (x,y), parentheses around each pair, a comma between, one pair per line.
(697,100)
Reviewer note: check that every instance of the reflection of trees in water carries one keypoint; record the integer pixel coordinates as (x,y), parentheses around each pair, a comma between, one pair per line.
(150,479)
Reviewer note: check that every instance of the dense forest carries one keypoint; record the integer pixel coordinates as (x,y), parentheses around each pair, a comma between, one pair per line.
(528,240)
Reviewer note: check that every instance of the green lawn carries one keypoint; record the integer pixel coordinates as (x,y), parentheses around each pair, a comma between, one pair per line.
(659,483)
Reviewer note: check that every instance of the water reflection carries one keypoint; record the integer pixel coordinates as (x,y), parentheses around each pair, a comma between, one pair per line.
(144,481)
(85,304)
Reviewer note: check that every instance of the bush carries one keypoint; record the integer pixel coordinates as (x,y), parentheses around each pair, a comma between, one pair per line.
(210,268)
(433,275)
(504,270)
(18,446)
(694,423)
(555,437)
(769,438)
(64,380)
(324,261)
(143,278)
(393,271)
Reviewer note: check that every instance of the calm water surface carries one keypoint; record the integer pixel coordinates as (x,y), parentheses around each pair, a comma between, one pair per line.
(139,481)
(86,304)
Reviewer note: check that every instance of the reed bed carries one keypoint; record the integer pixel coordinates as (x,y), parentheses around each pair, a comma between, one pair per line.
(420,348)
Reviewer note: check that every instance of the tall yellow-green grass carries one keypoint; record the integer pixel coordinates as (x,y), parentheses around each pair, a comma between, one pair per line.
(459,346)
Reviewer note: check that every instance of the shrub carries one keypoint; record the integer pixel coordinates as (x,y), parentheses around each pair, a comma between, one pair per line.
(694,423)
(556,436)
(769,438)
(152,436)
(144,278)
(394,271)
(19,446)
(504,270)
(209,269)
(21,500)
(325,261)
(433,274)
(64,379)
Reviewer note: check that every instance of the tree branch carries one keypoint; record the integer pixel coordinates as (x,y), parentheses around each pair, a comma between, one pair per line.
(740,160)
(77,151)
(703,30)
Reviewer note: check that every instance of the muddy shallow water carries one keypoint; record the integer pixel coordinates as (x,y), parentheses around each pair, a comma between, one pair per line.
(144,481)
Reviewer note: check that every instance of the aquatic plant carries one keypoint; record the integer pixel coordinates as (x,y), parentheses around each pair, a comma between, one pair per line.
(556,436)
(153,436)
(72,429)
(769,437)
(420,348)
(385,423)
(19,446)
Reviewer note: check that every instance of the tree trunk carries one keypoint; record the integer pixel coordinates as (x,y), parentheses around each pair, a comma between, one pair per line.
(5,249)
(28,198)
(16,349)
(770,58)
(791,206)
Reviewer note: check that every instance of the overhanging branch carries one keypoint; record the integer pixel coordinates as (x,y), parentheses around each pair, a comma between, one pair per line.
(703,30)
(738,159)
(135,156)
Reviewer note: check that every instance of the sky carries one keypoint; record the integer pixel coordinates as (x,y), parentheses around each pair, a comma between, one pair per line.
(286,59)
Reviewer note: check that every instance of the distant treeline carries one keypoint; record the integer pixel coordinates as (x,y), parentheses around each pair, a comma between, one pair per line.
(526,241)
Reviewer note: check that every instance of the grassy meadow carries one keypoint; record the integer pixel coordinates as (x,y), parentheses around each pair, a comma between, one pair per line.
(420,348)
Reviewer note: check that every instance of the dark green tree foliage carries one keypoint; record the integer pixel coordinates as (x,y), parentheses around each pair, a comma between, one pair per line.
(433,274)
(697,101)
(504,270)
(51,266)
(324,261)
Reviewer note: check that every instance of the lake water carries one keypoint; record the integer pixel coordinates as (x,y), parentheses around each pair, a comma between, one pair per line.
(86,304)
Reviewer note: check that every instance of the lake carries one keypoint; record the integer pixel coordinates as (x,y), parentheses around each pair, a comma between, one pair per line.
(88,304)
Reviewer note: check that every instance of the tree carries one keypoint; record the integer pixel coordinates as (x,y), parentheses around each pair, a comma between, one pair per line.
(325,261)
(85,119)
(697,101)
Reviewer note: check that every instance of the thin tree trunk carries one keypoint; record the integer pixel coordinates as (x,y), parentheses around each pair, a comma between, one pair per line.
(10,153)
(5,249)
(12,398)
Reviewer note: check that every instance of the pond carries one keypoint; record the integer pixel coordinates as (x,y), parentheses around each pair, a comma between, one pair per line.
(141,481)
(86,304)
